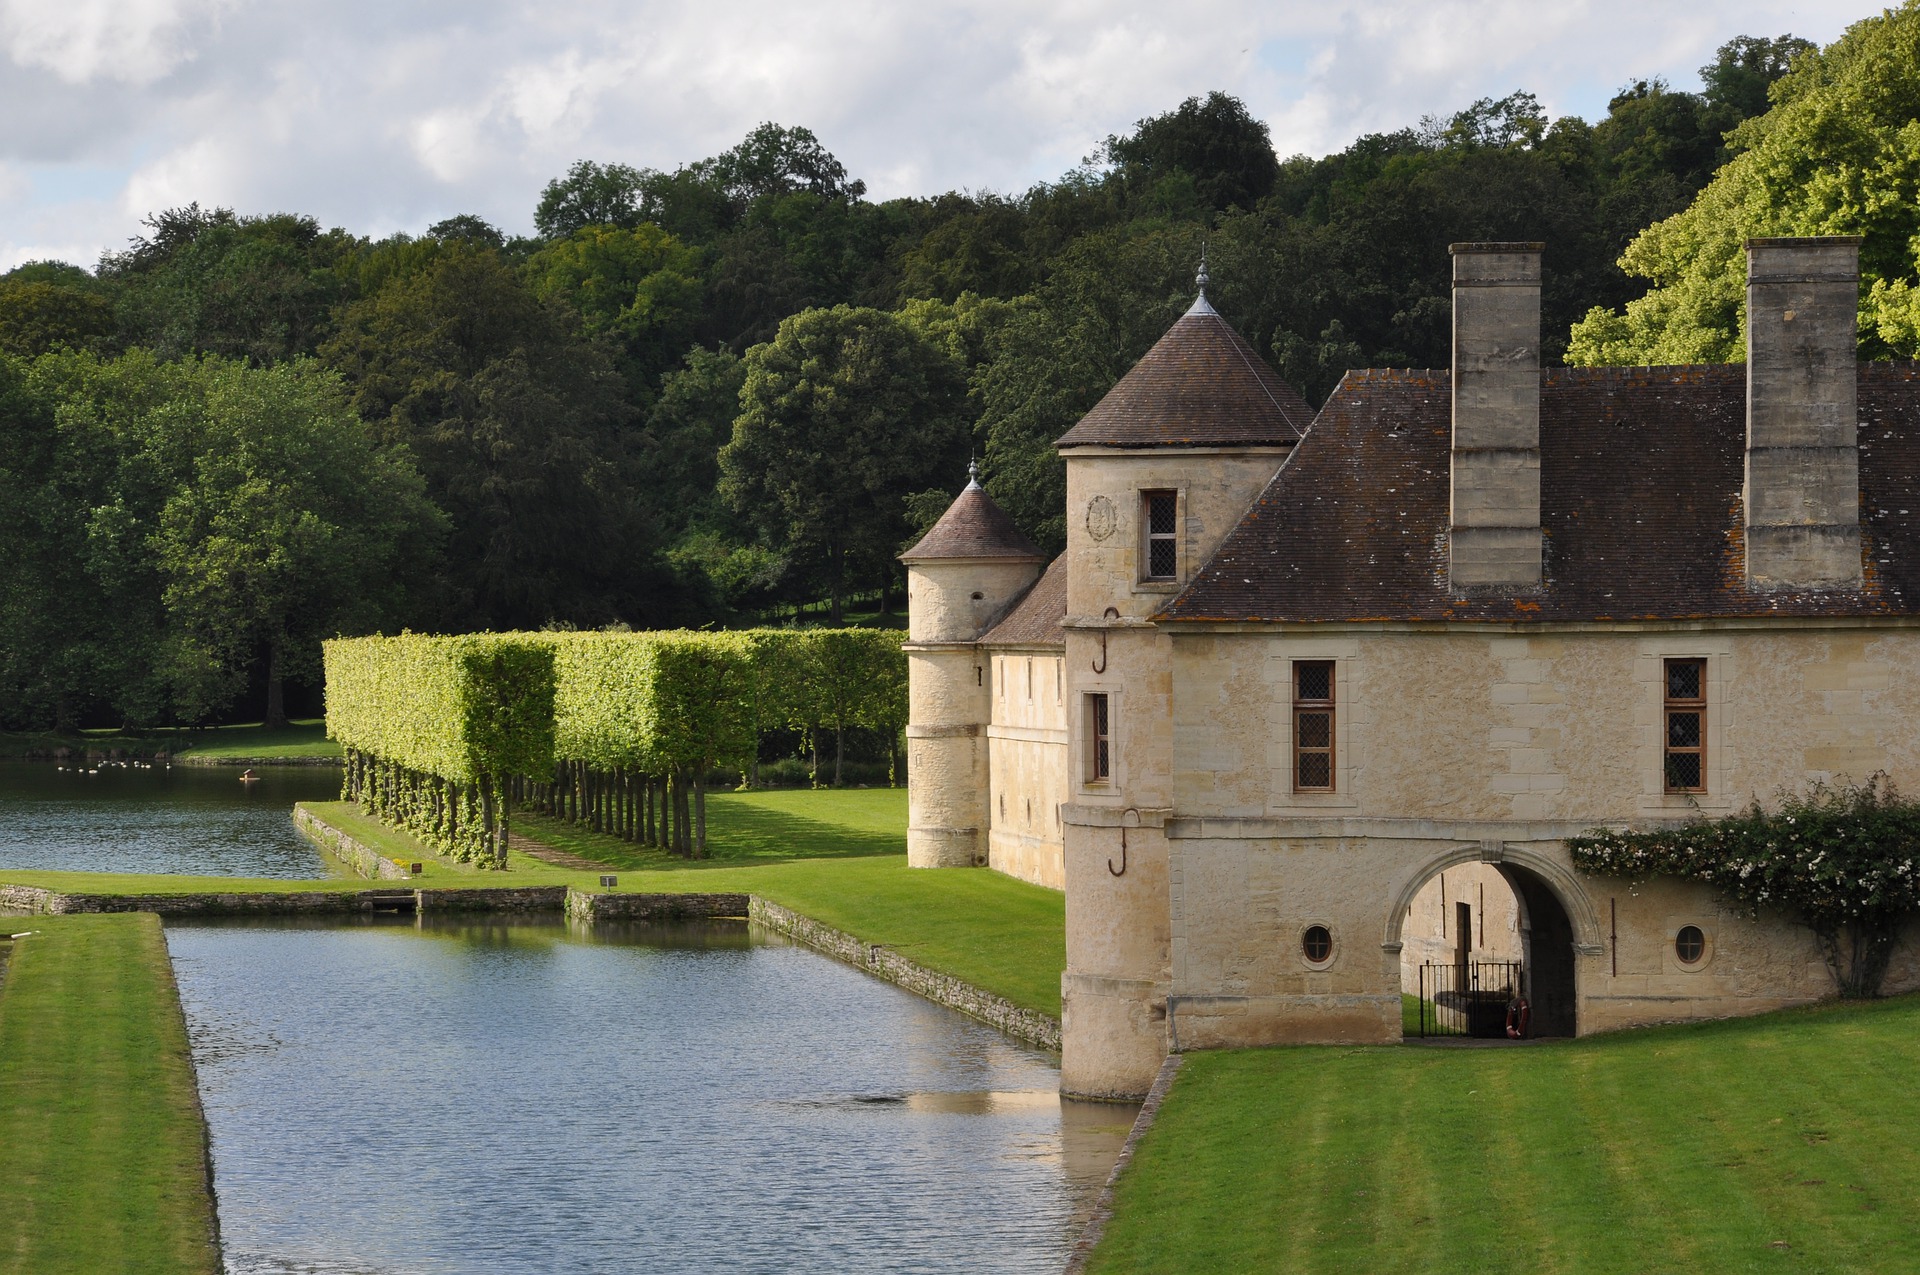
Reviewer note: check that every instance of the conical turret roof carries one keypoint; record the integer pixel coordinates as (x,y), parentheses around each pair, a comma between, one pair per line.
(973,527)
(1201,385)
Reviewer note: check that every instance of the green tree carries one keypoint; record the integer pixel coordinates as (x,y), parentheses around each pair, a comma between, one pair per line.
(1744,69)
(1215,143)
(293,526)
(518,423)
(844,414)
(49,305)
(258,288)
(1838,154)
(638,288)
(590,195)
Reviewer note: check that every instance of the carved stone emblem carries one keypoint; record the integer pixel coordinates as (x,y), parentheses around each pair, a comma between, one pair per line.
(1100,517)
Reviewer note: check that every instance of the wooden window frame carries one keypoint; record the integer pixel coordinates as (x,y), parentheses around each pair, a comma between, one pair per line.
(1148,536)
(1099,757)
(1306,705)
(1671,707)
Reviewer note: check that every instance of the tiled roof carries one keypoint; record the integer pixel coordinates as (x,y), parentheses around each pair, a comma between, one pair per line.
(1641,475)
(1035,619)
(1200,385)
(973,527)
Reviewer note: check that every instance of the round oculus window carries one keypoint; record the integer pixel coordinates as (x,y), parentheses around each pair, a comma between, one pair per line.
(1316,944)
(1690,945)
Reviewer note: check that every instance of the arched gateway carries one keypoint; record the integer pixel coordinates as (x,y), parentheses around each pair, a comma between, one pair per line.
(1462,957)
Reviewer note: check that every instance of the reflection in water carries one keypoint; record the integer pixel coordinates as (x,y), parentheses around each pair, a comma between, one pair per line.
(196,820)
(474,1096)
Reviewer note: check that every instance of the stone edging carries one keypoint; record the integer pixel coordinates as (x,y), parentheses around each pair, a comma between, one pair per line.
(358,855)
(1103,1206)
(942,989)
(32,898)
(654,907)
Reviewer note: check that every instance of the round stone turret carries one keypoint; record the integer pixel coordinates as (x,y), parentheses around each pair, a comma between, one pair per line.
(962,577)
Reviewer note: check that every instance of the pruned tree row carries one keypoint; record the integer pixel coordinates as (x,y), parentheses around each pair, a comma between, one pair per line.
(434,728)
(633,724)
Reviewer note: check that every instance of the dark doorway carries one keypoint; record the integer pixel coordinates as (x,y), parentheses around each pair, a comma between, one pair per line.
(1546,937)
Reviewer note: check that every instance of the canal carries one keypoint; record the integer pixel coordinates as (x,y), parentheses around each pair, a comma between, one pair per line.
(477,1095)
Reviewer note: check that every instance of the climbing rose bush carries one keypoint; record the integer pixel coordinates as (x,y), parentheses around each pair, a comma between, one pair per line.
(1839,858)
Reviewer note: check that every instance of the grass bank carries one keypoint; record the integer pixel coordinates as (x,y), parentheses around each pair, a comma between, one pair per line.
(837,856)
(1781,1143)
(105,1147)
(295,741)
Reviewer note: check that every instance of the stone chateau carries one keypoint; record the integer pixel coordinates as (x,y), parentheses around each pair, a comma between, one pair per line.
(1313,700)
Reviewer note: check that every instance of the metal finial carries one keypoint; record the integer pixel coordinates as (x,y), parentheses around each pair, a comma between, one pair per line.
(1201,280)
(973,475)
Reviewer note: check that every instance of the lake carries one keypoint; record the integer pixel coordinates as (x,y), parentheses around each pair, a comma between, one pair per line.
(197,820)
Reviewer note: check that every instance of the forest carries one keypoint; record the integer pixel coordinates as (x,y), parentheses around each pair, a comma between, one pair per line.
(727,395)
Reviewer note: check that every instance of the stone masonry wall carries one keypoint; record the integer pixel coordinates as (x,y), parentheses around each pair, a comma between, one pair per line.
(942,989)
(359,856)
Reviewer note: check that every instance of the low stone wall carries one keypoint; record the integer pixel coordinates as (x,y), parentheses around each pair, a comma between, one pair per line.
(534,898)
(942,989)
(1103,1206)
(358,855)
(582,906)
(56,903)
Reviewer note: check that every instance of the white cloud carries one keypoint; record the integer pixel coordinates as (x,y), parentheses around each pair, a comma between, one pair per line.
(379,116)
(136,41)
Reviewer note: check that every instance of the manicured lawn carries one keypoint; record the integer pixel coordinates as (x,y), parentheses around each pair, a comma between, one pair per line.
(763,826)
(104,1165)
(297,739)
(1783,1143)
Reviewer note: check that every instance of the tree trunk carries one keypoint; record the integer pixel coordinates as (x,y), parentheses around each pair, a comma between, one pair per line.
(276,688)
(839,752)
(700,813)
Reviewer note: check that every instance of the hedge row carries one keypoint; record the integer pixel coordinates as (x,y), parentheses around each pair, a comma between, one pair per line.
(617,730)
(433,728)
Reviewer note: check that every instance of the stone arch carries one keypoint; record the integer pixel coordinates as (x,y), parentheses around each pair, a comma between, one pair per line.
(1558,877)
(1558,923)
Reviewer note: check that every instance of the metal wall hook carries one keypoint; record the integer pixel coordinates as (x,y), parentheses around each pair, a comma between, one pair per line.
(1112,613)
(1121,871)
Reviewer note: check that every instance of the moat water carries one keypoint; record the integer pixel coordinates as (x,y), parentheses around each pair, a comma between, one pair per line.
(415,1097)
(460,1096)
(195,820)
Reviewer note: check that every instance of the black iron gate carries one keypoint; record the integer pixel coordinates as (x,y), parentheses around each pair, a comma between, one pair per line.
(1469,999)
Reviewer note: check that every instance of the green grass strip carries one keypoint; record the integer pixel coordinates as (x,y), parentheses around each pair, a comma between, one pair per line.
(1779,1143)
(105,1166)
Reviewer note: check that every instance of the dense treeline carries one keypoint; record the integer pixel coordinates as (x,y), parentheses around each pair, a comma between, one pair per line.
(696,397)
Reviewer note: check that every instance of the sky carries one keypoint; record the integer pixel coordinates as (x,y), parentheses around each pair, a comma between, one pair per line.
(387,115)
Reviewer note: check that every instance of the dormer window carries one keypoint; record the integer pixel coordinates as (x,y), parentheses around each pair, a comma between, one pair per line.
(1159,551)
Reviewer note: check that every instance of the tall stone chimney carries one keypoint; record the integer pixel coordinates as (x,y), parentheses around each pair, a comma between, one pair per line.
(1803,456)
(1495,540)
